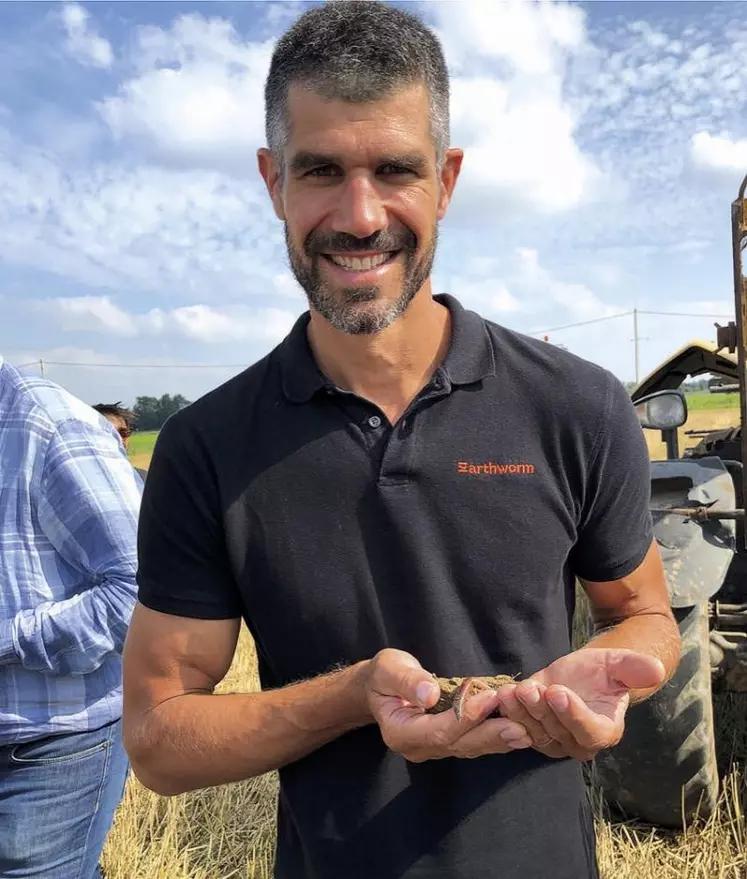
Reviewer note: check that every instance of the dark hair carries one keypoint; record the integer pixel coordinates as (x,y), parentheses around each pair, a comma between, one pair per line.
(356,51)
(118,411)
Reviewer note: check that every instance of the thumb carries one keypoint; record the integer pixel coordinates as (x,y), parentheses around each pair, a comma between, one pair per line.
(405,677)
(635,671)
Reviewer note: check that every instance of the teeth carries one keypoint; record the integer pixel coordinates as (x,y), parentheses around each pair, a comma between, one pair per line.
(360,265)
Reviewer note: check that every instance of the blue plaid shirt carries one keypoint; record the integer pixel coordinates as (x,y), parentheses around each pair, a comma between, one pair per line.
(69,504)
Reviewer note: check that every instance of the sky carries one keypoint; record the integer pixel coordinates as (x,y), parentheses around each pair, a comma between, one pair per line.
(604,143)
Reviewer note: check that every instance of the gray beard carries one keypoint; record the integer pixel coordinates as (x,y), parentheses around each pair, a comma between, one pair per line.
(357,310)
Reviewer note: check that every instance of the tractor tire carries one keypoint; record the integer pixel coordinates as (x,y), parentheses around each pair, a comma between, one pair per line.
(663,771)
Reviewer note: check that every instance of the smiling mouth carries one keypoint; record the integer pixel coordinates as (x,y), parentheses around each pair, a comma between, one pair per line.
(361,263)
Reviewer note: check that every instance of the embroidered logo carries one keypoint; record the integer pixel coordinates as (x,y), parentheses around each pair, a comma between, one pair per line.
(489,468)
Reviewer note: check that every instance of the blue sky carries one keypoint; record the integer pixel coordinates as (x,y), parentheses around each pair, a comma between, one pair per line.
(604,143)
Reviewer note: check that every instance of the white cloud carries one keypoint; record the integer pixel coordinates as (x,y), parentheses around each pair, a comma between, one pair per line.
(83,42)
(197,94)
(487,296)
(508,111)
(199,323)
(89,313)
(141,228)
(545,290)
(719,153)
(521,290)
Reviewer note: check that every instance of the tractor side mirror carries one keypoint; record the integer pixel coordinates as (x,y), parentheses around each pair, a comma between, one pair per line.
(664,410)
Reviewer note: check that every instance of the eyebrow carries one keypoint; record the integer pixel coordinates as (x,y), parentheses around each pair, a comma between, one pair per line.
(306,160)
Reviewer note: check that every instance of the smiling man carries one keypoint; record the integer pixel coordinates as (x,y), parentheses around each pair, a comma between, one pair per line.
(400,488)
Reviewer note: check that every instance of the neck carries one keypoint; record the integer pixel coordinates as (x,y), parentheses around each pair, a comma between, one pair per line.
(391,367)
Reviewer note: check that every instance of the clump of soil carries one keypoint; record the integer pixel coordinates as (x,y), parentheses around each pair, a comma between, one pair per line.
(453,690)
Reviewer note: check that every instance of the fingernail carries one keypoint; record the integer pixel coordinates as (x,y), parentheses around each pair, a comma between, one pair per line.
(559,701)
(518,744)
(424,693)
(531,696)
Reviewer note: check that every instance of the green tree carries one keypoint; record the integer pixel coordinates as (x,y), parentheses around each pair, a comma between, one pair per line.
(151,413)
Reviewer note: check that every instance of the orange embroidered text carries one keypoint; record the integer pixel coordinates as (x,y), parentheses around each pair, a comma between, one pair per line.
(489,468)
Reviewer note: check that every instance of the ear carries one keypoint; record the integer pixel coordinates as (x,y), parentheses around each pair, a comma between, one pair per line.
(271,174)
(449,174)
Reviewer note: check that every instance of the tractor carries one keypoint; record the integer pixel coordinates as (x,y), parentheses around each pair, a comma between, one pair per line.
(663,771)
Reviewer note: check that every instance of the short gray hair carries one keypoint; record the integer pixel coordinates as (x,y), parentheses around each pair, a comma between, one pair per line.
(356,51)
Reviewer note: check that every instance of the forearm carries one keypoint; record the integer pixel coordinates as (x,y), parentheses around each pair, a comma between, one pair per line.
(72,636)
(655,634)
(199,740)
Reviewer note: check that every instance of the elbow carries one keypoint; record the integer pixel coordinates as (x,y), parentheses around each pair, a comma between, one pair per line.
(155,782)
(148,763)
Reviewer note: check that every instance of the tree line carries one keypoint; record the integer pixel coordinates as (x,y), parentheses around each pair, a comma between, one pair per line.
(151,413)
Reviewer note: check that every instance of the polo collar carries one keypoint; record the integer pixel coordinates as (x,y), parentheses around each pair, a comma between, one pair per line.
(469,359)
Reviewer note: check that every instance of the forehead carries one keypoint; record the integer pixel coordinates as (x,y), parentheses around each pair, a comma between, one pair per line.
(400,121)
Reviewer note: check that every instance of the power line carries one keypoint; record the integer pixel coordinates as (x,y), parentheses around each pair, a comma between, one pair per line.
(146,365)
(582,323)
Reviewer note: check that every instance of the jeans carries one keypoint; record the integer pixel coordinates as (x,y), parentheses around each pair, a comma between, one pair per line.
(58,796)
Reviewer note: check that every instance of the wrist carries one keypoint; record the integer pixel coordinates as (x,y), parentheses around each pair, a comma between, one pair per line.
(333,702)
(355,689)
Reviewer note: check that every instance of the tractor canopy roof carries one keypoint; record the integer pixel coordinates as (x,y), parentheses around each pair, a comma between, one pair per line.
(694,358)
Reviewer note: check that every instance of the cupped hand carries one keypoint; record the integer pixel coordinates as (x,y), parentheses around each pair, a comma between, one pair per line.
(576,706)
(399,689)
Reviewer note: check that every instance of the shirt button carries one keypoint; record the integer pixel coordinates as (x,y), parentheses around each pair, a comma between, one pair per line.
(374,421)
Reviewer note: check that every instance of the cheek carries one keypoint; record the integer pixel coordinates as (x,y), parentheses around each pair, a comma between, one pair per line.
(418,212)
(305,211)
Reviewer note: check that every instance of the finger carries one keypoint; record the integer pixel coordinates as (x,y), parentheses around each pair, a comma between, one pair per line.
(517,710)
(633,670)
(493,736)
(477,707)
(590,731)
(420,736)
(541,713)
(398,673)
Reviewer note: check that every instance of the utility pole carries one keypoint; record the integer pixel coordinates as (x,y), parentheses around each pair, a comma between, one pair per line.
(635,342)
(41,367)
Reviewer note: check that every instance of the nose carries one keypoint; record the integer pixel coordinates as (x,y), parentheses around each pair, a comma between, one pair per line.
(360,210)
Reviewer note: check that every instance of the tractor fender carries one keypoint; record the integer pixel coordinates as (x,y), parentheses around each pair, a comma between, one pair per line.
(696,553)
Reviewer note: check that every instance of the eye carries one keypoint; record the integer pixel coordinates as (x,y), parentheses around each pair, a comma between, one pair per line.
(391,169)
(322,171)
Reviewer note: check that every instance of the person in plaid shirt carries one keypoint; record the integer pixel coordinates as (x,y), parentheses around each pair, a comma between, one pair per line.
(69,505)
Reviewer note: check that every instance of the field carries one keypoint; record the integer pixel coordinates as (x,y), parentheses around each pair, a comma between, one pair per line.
(141,447)
(229,831)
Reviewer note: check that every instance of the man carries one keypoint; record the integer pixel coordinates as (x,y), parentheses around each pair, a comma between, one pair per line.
(400,488)
(122,421)
(69,503)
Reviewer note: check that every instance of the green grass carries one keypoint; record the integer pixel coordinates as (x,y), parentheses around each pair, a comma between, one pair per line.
(142,443)
(697,400)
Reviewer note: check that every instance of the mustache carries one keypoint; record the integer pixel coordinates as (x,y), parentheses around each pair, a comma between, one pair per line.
(340,242)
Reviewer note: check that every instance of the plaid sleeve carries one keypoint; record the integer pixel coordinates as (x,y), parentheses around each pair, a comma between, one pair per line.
(88,505)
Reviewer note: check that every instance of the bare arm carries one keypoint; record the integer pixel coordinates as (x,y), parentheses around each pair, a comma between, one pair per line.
(634,613)
(180,736)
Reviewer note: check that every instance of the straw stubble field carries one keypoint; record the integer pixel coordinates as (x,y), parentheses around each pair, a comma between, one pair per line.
(228,832)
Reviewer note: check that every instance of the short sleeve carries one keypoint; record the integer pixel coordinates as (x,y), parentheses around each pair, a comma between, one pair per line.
(615,530)
(183,565)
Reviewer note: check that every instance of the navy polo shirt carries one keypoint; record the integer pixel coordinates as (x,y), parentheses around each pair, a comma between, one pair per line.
(455,535)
